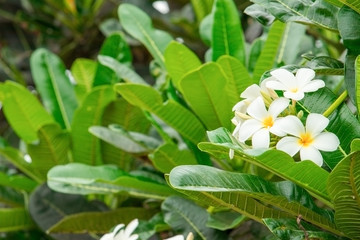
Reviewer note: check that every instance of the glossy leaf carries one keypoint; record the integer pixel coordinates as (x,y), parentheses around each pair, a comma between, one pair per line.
(344,188)
(357,82)
(23,111)
(269,51)
(326,65)
(337,3)
(274,161)
(18,182)
(99,222)
(348,21)
(227,34)
(86,147)
(354,4)
(139,26)
(201,8)
(285,196)
(76,178)
(168,156)
(83,71)
(225,220)
(205,90)
(185,216)
(260,13)
(318,12)
(15,219)
(55,88)
(170,112)
(179,60)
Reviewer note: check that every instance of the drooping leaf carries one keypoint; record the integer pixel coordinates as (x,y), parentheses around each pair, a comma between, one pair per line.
(15,219)
(179,60)
(224,220)
(205,90)
(201,8)
(76,178)
(18,182)
(99,222)
(185,216)
(269,51)
(284,196)
(344,188)
(260,13)
(274,161)
(139,26)
(227,34)
(55,88)
(23,111)
(86,147)
(170,112)
(168,156)
(83,71)
(348,22)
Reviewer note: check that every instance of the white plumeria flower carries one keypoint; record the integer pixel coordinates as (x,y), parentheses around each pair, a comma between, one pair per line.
(308,140)
(263,122)
(123,234)
(294,87)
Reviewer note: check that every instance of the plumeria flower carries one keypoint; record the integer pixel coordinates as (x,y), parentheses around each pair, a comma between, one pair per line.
(294,87)
(123,234)
(262,122)
(309,139)
(190,236)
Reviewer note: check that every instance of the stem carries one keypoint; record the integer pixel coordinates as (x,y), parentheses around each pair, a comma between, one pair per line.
(335,104)
(157,126)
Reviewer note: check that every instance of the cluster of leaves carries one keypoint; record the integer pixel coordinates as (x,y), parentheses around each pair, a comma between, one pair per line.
(95,151)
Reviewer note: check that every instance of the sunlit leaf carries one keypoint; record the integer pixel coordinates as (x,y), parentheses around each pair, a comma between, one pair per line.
(83,71)
(19,182)
(15,219)
(201,8)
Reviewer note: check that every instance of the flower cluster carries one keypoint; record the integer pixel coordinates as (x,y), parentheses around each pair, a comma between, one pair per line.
(272,121)
(119,233)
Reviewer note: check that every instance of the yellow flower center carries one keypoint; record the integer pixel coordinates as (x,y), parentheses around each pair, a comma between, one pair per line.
(294,90)
(306,139)
(268,122)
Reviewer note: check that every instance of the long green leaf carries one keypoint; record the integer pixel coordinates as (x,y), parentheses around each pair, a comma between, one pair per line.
(344,190)
(139,26)
(10,197)
(201,8)
(83,71)
(23,111)
(51,150)
(284,196)
(179,60)
(57,93)
(270,50)
(357,82)
(86,147)
(170,112)
(353,4)
(274,161)
(15,219)
(18,182)
(76,178)
(227,34)
(205,90)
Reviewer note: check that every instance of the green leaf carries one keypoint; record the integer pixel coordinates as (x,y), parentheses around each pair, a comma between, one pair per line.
(83,71)
(270,50)
(56,91)
(254,54)
(179,60)
(206,29)
(344,188)
(318,12)
(18,182)
(51,149)
(260,13)
(350,83)
(205,90)
(76,178)
(86,147)
(355,145)
(15,219)
(121,70)
(168,156)
(225,220)
(99,222)
(348,22)
(354,4)
(357,82)
(337,3)
(274,161)
(201,8)
(185,216)
(23,111)
(10,197)
(227,34)
(139,26)
(325,65)
(285,196)
(171,112)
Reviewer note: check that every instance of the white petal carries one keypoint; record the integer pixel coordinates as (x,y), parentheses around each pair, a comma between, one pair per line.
(133,237)
(248,128)
(131,227)
(285,77)
(177,237)
(304,75)
(261,139)
(251,92)
(313,86)
(240,106)
(276,85)
(311,153)
(231,153)
(118,227)
(289,145)
(316,123)
(294,95)
(292,125)
(326,142)
(277,128)
(108,236)
(257,109)
(277,106)
(236,130)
